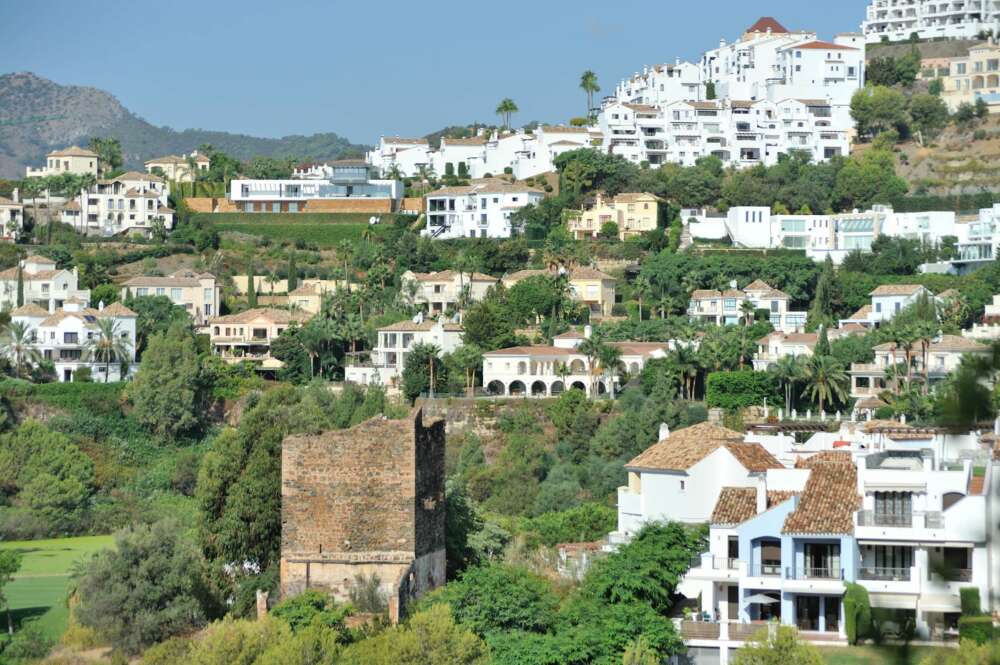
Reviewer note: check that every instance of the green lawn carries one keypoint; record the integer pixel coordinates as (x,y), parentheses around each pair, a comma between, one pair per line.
(871,655)
(39,589)
(322,234)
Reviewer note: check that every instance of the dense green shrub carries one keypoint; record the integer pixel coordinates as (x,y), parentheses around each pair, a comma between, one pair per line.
(857,612)
(979,629)
(970,601)
(738,390)
(583,523)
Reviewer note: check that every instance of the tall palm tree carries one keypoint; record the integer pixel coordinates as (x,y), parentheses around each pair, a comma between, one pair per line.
(744,346)
(686,361)
(788,371)
(641,288)
(17,345)
(505,109)
(610,358)
(107,345)
(588,83)
(748,309)
(32,187)
(825,379)
(908,337)
(925,332)
(353,329)
(592,347)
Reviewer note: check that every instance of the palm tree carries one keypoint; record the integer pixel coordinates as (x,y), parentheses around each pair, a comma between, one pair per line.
(686,361)
(505,109)
(825,379)
(563,371)
(32,188)
(744,346)
(313,336)
(908,336)
(18,346)
(748,309)
(610,358)
(592,348)
(925,331)
(788,371)
(353,329)
(588,83)
(641,288)
(107,345)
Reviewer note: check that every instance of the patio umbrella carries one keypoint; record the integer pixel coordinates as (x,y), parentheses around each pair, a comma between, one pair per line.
(760,599)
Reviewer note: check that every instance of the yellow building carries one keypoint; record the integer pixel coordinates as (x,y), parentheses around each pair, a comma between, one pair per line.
(632,213)
(69,160)
(966,78)
(589,286)
(179,169)
(248,335)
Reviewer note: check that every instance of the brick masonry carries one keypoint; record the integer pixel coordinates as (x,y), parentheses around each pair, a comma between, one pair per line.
(363,501)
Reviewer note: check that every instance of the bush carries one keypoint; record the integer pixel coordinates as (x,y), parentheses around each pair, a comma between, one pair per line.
(857,612)
(304,609)
(29,643)
(978,629)
(970,601)
(586,522)
(739,390)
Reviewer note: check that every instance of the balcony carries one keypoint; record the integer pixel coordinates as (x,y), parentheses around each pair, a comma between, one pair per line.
(708,567)
(916,520)
(822,573)
(880,574)
(764,570)
(952,575)
(699,630)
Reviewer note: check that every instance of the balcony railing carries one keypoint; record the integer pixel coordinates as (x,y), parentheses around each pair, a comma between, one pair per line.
(822,573)
(765,570)
(917,519)
(882,574)
(715,563)
(699,630)
(952,575)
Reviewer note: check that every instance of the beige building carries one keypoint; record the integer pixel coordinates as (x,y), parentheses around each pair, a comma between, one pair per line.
(725,308)
(968,77)
(441,291)
(632,213)
(308,296)
(11,218)
(69,160)
(248,335)
(588,285)
(198,293)
(180,169)
(943,356)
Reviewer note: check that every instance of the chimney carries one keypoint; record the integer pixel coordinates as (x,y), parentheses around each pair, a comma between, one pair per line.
(16,195)
(588,330)
(722,43)
(761,493)
(100,306)
(664,432)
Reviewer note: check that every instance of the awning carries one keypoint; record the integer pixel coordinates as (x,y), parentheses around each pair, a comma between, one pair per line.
(689,588)
(893,601)
(939,603)
(760,599)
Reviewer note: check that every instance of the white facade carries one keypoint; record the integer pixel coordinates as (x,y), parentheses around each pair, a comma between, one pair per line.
(723,308)
(479,210)
(64,338)
(130,203)
(45,285)
(441,291)
(343,180)
(388,358)
(898,20)
(888,300)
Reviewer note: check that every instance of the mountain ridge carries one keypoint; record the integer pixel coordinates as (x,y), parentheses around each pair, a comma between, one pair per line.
(38,115)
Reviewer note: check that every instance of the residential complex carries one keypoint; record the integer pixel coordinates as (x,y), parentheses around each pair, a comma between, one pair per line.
(971,74)
(132,203)
(899,20)
(481,209)
(777,345)
(589,286)
(198,293)
(45,285)
(393,344)
(67,338)
(247,336)
(11,217)
(444,291)
(185,168)
(344,186)
(632,214)
(74,159)
(934,363)
(727,308)
(888,300)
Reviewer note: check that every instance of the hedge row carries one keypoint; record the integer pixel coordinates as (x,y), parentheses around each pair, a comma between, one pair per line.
(979,629)
(222,218)
(739,390)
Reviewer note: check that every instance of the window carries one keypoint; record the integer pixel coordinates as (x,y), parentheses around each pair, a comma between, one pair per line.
(207,295)
(878,307)
(161,291)
(175,294)
(71,338)
(683,485)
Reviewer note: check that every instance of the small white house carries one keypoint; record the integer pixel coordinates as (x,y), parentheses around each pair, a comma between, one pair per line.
(480,210)
(394,342)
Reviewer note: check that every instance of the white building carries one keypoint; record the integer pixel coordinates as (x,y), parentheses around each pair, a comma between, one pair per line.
(338,183)
(725,307)
(394,342)
(132,203)
(66,338)
(479,210)
(45,285)
(777,345)
(898,20)
(405,156)
(888,300)
(180,168)
(444,290)
(11,217)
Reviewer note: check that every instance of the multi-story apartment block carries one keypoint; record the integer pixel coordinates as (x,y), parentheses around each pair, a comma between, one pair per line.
(943,356)
(888,300)
(835,235)
(11,217)
(968,76)
(589,286)
(198,293)
(132,203)
(632,214)
(346,186)
(394,342)
(479,210)
(66,337)
(183,168)
(898,20)
(247,336)
(725,307)
(74,160)
(661,84)
(45,285)
(442,291)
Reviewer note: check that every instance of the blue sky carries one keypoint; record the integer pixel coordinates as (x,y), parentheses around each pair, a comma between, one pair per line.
(366,67)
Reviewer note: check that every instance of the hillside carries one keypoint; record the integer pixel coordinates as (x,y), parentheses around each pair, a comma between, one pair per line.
(962,160)
(38,115)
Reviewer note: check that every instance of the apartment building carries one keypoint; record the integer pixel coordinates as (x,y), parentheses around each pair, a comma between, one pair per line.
(132,203)
(406,156)
(777,345)
(66,337)
(899,20)
(943,356)
(632,213)
(11,217)
(73,159)
(661,84)
(888,300)
(346,186)
(394,342)
(481,209)
(442,291)
(198,293)
(548,371)
(45,285)
(183,168)
(588,286)
(726,307)
(247,336)
(835,235)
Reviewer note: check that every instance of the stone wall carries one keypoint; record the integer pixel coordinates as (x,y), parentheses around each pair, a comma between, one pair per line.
(363,501)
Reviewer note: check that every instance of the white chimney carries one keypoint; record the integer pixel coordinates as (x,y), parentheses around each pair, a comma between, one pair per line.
(100,305)
(664,431)
(588,331)
(16,195)
(761,493)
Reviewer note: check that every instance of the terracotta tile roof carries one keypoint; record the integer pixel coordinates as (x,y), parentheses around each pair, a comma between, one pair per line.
(635,197)
(7,202)
(758,285)
(73,151)
(116,309)
(156,280)
(424,326)
(556,129)
(733,293)
(640,348)
(451,275)
(471,140)
(884,425)
(71,205)
(862,314)
(705,294)
(169,159)
(870,403)
(642,108)
(829,499)
(305,290)
(736,505)
(896,290)
(851,328)
(585,272)
(703,105)
(765,23)
(834,456)
(31,309)
(686,447)
(37,258)
(531,351)
(808,339)
(814,102)
(572,334)
(946,344)
(267,313)
(822,46)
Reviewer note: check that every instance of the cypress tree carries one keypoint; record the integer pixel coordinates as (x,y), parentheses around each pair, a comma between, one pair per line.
(251,286)
(293,274)
(20,286)
(822,344)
